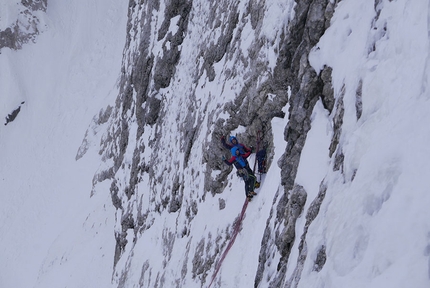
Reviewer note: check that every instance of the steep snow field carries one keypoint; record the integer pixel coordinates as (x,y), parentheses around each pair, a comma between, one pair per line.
(374,221)
(64,79)
(375,227)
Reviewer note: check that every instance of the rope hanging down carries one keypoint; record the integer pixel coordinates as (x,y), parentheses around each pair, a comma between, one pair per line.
(238,223)
(236,229)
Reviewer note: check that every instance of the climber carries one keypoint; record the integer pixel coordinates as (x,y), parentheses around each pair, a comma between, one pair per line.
(238,158)
(241,150)
(234,143)
(243,170)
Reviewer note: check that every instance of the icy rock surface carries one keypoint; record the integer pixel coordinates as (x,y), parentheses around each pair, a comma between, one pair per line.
(163,138)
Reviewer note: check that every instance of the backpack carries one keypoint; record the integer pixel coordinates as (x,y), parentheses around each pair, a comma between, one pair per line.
(261,160)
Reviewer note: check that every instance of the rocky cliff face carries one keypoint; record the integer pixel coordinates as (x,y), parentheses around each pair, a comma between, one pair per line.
(26,27)
(192,72)
(161,145)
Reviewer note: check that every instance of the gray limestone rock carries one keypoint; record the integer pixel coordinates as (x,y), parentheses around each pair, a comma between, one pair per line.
(27,26)
(132,146)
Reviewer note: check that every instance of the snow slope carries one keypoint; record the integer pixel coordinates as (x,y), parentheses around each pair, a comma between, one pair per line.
(45,193)
(374,220)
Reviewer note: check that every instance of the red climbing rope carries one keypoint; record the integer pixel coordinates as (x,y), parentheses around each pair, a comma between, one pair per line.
(236,228)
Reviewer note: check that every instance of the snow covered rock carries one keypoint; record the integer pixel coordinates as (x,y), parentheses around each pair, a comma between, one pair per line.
(21,22)
(336,90)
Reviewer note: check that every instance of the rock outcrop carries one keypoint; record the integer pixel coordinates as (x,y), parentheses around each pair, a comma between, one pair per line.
(166,121)
(27,25)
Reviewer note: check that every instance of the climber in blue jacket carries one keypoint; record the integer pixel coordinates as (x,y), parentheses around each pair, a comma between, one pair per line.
(243,170)
(235,143)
